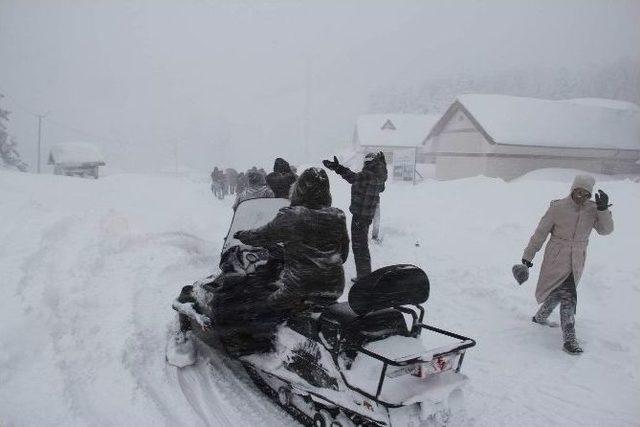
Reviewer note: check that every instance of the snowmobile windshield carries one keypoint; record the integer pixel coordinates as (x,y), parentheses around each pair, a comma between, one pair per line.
(250,214)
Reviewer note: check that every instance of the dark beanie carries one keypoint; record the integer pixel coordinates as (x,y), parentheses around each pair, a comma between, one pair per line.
(311,189)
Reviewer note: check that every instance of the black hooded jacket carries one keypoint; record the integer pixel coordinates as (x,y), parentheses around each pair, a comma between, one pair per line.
(281,179)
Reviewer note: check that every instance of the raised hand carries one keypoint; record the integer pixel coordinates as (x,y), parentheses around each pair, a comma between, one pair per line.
(331,165)
(602,200)
(238,235)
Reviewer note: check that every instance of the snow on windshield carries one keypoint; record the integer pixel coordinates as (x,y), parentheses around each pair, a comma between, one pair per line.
(251,214)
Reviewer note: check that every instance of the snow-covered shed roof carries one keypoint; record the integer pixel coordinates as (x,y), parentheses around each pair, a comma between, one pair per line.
(394,130)
(573,123)
(75,154)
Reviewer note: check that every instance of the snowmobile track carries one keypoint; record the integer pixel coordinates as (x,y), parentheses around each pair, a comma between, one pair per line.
(264,387)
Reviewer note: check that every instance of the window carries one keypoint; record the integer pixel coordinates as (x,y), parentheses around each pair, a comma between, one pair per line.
(388,125)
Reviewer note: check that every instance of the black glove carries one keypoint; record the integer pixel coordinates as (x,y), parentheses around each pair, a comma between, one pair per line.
(529,264)
(331,165)
(382,158)
(602,200)
(239,234)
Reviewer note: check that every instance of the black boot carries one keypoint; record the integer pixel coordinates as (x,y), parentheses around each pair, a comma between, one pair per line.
(545,322)
(572,348)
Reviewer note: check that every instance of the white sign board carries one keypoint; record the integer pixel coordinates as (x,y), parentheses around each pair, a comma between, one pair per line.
(404,165)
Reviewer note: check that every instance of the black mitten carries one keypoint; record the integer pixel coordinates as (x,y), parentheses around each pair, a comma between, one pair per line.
(602,200)
(331,165)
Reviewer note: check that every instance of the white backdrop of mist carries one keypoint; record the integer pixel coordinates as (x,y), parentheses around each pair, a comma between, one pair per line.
(235,84)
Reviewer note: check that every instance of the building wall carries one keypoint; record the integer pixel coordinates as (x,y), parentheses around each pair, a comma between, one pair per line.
(509,162)
(388,151)
(459,149)
(462,151)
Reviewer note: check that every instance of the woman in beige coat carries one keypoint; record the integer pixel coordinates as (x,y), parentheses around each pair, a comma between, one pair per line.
(569,221)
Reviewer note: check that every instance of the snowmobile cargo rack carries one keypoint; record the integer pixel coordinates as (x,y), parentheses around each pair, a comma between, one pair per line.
(415,331)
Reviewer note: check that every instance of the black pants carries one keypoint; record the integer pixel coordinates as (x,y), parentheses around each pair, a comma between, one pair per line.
(360,245)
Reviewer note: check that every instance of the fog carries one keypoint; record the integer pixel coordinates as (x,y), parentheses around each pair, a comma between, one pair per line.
(159,84)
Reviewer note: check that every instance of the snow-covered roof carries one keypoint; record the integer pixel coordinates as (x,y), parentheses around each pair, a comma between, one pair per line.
(607,103)
(574,123)
(394,130)
(75,153)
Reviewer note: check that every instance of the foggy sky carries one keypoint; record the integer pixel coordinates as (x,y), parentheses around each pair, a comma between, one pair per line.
(238,83)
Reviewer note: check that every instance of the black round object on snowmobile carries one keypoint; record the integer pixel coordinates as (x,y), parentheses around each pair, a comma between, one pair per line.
(389,286)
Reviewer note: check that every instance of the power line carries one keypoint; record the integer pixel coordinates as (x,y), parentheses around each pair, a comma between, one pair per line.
(81,131)
(25,109)
(18,104)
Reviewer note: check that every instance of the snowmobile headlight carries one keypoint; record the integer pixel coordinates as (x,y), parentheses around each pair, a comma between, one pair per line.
(251,257)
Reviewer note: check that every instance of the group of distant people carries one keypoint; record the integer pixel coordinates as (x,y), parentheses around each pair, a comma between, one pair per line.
(254,183)
(275,184)
(227,182)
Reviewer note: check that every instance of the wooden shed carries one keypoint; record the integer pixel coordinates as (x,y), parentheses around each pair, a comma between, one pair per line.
(505,136)
(76,159)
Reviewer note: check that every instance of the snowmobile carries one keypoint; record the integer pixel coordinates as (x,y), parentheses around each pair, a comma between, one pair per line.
(370,360)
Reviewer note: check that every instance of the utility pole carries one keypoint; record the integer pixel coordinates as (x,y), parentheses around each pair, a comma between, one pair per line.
(175,156)
(40,117)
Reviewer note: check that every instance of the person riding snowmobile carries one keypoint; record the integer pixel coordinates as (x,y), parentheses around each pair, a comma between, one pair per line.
(316,244)
(307,243)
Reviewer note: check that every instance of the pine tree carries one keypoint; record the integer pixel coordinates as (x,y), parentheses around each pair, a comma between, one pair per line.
(9,155)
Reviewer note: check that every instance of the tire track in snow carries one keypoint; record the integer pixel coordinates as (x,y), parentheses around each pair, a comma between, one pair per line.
(48,268)
(145,348)
(223,394)
(195,384)
(65,263)
(216,387)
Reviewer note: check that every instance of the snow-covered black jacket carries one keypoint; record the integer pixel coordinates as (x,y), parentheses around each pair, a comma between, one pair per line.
(316,244)
(366,187)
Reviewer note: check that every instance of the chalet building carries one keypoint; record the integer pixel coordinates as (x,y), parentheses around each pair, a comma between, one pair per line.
(393,132)
(506,136)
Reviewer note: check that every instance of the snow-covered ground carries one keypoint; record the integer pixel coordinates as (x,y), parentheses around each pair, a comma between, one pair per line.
(88,269)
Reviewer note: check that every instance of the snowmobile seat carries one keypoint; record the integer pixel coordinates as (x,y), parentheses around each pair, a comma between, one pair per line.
(390,286)
(305,323)
(344,329)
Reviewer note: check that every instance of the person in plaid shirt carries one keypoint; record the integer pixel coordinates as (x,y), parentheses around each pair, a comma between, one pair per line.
(366,187)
